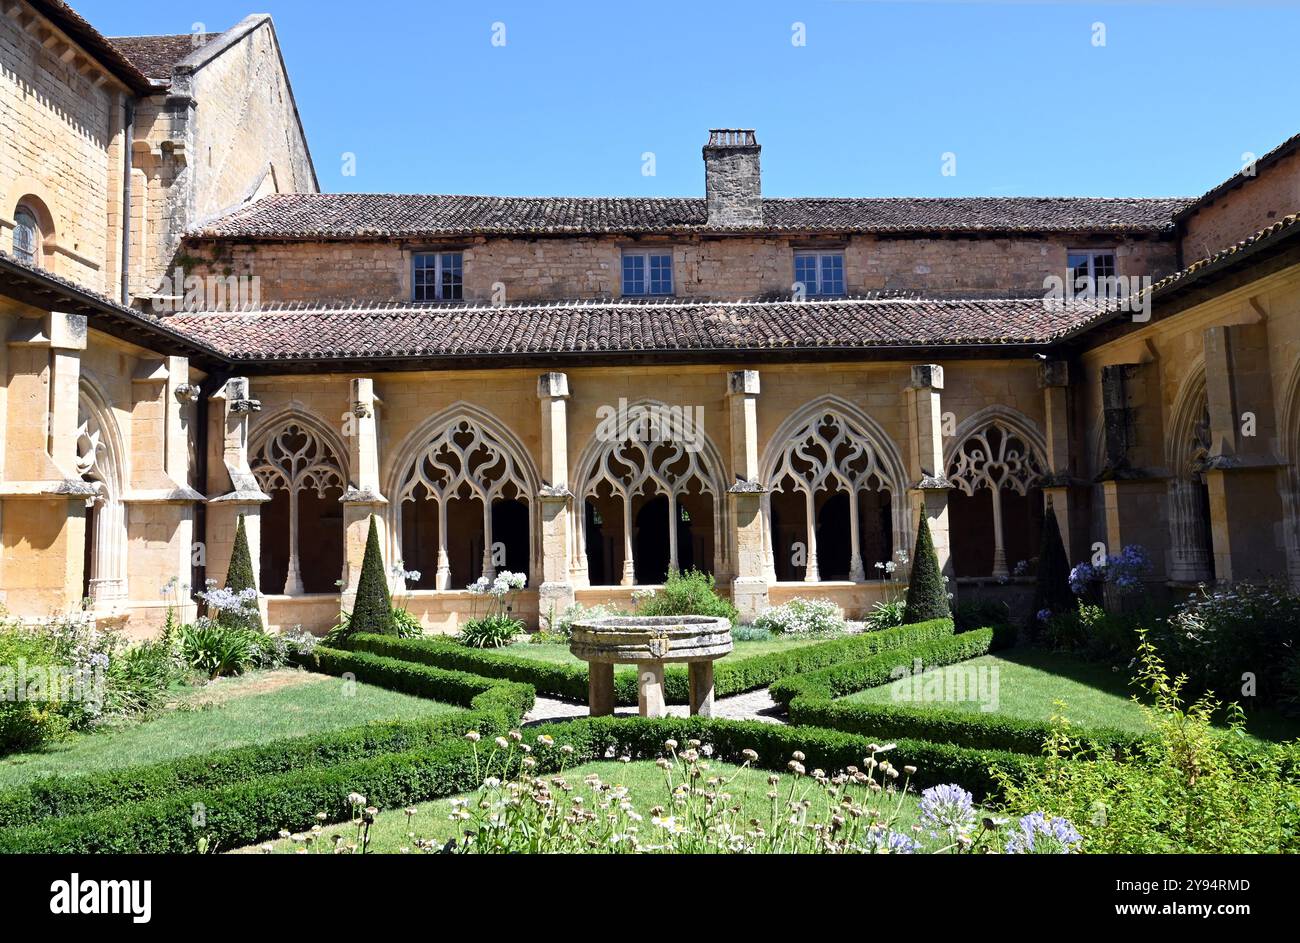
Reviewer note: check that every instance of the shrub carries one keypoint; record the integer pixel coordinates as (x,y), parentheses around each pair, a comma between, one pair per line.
(404,624)
(241,582)
(248,811)
(1052,593)
(731,676)
(373,609)
(692,593)
(927,594)
(751,633)
(802,617)
(1219,635)
(1189,790)
(1092,632)
(561,626)
(490,632)
(980,613)
(27,723)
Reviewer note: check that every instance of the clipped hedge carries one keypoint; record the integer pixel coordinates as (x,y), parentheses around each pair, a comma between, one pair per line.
(880,669)
(495,707)
(248,812)
(811,699)
(424,680)
(56,796)
(732,676)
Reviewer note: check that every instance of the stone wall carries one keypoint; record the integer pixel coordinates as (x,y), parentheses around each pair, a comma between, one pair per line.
(719,268)
(1256,202)
(60,150)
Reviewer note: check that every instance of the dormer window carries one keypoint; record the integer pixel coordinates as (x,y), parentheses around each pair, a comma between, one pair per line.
(1094,264)
(647,272)
(820,273)
(27,236)
(438,276)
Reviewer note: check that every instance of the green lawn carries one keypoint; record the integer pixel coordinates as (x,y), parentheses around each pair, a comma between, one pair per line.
(1031,681)
(254,708)
(647,785)
(558,652)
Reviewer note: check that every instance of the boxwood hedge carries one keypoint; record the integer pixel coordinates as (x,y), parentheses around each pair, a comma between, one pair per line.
(496,706)
(732,676)
(246,812)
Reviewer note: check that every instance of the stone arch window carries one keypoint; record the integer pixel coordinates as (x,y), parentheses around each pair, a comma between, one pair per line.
(298,465)
(465,461)
(834,486)
(995,468)
(27,236)
(649,499)
(99,463)
(1187,452)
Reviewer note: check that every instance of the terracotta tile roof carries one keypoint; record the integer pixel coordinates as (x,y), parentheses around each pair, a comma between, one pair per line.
(350,216)
(386,331)
(155,55)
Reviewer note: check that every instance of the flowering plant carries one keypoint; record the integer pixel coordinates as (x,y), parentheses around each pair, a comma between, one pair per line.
(802,616)
(1126,570)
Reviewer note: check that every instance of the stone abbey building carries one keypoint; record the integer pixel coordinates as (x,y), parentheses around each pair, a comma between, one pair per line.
(594,391)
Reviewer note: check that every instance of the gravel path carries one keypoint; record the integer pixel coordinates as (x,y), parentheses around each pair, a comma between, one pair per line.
(753,705)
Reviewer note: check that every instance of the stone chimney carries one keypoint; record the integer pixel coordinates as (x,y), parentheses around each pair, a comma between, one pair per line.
(733,185)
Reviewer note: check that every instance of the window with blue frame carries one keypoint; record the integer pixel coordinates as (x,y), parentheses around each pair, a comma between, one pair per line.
(821,273)
(437,276)
(647,272)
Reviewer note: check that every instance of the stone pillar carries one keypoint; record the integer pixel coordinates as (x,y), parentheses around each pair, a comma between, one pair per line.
(159,499)
(363,498)
(600,688)
(1133,494)
(555,503)
(1059,486)
(745,495)
(929,492)
(44,497)
(233,491)
(700,678)
(1246,509)
(650,689)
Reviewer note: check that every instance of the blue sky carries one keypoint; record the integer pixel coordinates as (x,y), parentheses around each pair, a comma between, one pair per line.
(867,107)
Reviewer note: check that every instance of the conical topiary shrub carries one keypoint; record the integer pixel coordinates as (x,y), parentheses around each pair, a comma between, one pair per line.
(240,578)
(927,595)
(1053,595)
(373,611)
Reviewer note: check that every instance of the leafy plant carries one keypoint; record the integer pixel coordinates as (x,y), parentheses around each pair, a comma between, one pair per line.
(494,631)
(802,617)
(217,649)
(1190,789)
(886,614)
(927,591)
(693,593)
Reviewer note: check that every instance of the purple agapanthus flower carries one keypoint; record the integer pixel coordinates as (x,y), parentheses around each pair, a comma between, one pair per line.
(1041,834)
(948,809)
(889,842)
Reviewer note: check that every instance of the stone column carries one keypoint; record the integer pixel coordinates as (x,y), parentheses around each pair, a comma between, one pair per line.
(555,503)
(929,491)
(1059,486)
(363,496)
(233,491)
(1246,509)
(1133,493)
(650,689)
(44,497)
(745,495)
(158,498)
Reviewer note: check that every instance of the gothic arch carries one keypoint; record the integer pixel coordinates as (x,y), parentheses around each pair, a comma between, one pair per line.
(831,445)
(463,453)
(296,459)
(648,464)
(999,450)
(101,461)
(1187,446)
